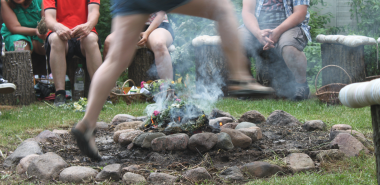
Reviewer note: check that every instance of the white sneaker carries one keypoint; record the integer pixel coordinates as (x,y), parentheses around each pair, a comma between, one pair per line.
(5,87)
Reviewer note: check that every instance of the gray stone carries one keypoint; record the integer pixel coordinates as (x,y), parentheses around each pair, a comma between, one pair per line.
(147,142)
(120,118)
(132,178)
(232,173)
(161,178)
(282,118)
(46,166)
(359,136)
(104,140)
(341,127)
(116,135)
(252,117)
(224,141)
(215,113)
(24,163)
(128,125)
(101,125)
(139,139)
(299,162)
(261,169)
(253,132)
(202,142)
(110,172)
(238,138)
(141,118)
(127,138)
(24,149)
(47,136)
(314,125)
(170,142)
(197,174)
(217,122)
(245,125)
(348,144)
(156,157)
(77,174)
(230,125)
(130,168)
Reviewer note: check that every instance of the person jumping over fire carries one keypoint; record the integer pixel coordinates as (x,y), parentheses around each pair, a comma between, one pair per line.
(128,21)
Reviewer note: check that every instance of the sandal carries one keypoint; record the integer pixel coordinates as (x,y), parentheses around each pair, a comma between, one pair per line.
(247,88)
(83,142)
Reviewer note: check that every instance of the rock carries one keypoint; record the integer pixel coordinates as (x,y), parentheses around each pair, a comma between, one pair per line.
(216,121)
(202,142)
(170,142)
(232,173)
(147,142)
(132,178)
(46,166)
(110,172)
(120,118)
(299,162)
(161,178)
(197,174)
(101,125)
(245,125)
(130,168)
(127,137)
(261,169)
(253,132)
(229,125)
(359,136)
(253,117)
(116,135)
(104,140)
(215,113)
(348,144)
(24,163)
(77,174)
(282,118)
(224,141)
(341,127)
(47,136)
(238,138)
(333,154)
(61,132)
(128,125)
(24,149)
(156,157)
(314,125)
(141,118)
(139,139)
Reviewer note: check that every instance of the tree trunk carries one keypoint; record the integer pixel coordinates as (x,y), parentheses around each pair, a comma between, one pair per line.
(349,58)
(375,113)
(271,71)
(72,66)
(17,69)
(143,67)
(211,67)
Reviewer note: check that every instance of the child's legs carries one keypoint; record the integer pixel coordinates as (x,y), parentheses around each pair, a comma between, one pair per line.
(38,47)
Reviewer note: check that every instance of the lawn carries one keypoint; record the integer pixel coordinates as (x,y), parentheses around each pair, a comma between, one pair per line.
(24,122)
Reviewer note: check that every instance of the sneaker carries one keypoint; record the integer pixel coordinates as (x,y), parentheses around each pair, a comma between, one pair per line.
(5,87)
(60,99)
(302,92)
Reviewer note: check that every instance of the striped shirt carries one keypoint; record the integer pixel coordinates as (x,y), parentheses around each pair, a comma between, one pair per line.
(289,4)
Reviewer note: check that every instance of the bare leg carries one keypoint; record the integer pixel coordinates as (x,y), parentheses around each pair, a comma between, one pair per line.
(107,44)
(58,52)
(90,49)
(296,62)
(37,47)
(159,41)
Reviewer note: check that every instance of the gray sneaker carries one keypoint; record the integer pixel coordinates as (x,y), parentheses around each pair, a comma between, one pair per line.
(5,87)
(60,99)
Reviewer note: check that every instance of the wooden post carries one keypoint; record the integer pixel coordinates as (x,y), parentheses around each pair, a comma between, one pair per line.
(72,65)
(17,69)
(375,113)
(349,58)
(211,66)
(139,70)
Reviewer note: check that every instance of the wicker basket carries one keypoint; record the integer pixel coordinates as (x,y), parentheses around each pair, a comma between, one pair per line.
(330,93)
(128,98)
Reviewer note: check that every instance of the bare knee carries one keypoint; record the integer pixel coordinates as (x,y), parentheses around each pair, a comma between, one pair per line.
(160,48)
(90,41)
(56,43)
(108,41)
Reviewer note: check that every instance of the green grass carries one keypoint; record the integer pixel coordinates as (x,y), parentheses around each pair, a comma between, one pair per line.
(28,121)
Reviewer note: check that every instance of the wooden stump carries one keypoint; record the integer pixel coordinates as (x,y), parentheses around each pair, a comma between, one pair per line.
(72,65)
(349,58)
(143,67)
(375,113)
(271,71)
(211,66)
(17,69)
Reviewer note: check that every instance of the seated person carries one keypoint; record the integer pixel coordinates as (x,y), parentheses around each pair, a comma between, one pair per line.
(157,35)
(279,26)
(5,87)
(20,24)
(72,24)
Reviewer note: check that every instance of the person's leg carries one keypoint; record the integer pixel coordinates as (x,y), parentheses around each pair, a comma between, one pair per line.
(5,87)
(38,47)
(90,49)
(159,41)
(296,62)
(107,44)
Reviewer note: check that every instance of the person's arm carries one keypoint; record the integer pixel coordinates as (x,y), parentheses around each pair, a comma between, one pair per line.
(12,23)
(83,30)
(154,25)
(62,31)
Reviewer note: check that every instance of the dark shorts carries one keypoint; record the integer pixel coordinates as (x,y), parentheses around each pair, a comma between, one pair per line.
(165,26)
(73,50)
(129,7)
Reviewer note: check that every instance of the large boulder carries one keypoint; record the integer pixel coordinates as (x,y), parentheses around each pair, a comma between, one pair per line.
(348,144)
(253,117)
(128,125)
(253,132)
(116,135)
(170,142)
(224,141)
(261,169)
(26,148)
(197,174)
(133,178)
(110,172)
(24,163)
(121,118)
(46,166)
(161,178)
(144,140)
(127,137)
(77,174)
(282,118)
(238,138)
(202,142)
(299,162)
